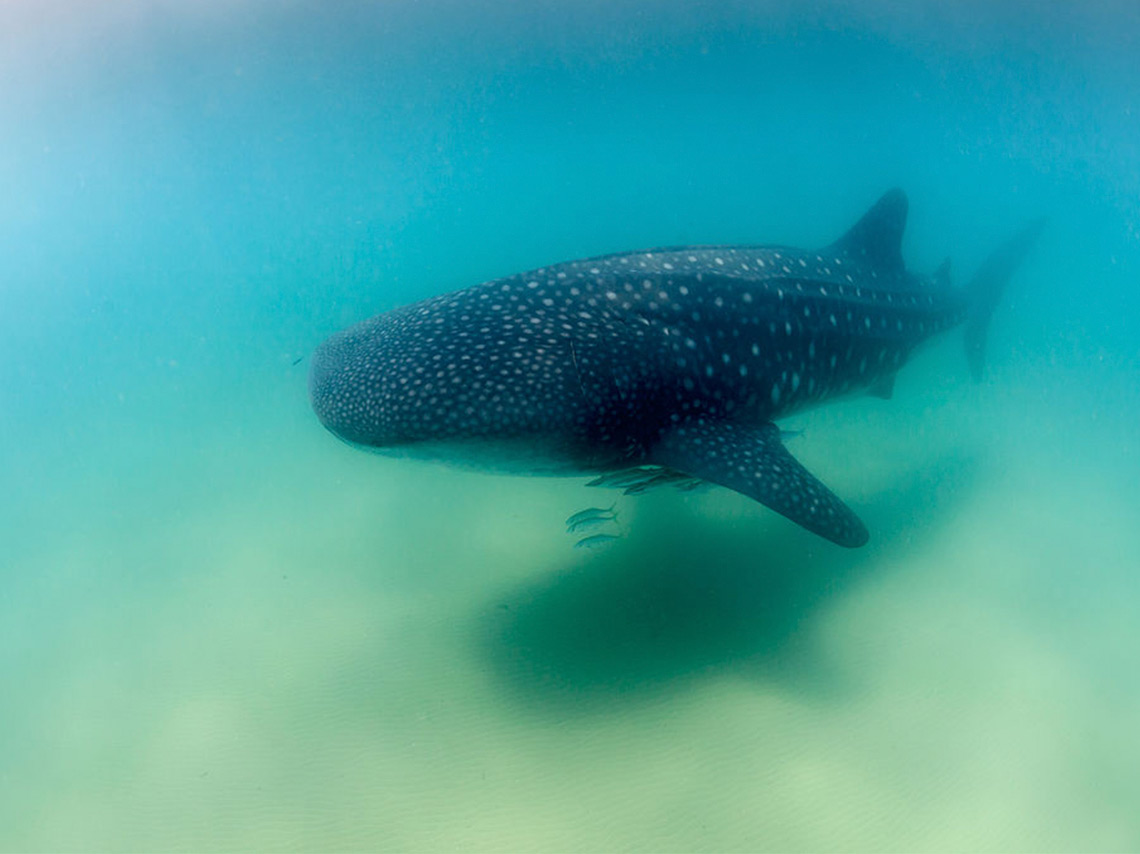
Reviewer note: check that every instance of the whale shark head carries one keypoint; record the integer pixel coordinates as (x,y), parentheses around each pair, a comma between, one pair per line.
(347,385)
(457,379)
(462,368)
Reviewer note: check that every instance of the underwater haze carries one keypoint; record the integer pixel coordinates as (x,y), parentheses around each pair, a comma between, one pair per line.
(222,629)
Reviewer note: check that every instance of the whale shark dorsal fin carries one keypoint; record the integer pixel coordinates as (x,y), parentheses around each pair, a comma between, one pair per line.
(876,239)
(753,461)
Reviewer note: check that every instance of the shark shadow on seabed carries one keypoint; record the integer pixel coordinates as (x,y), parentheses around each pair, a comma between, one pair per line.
(689,597)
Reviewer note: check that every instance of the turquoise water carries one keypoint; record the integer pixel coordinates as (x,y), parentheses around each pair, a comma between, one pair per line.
(221,629)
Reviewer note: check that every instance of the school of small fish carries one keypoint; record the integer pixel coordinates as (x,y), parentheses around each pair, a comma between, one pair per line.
(591,519)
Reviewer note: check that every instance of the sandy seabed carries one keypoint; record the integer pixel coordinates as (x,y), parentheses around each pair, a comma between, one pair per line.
(274,642)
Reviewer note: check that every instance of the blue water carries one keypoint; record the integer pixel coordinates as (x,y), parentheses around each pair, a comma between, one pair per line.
(220,629)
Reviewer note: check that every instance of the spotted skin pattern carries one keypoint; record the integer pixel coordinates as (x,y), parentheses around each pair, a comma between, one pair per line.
(678,357)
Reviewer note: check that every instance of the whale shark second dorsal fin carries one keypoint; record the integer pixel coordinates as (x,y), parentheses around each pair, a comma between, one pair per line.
(876,239)
(941,276)
(753,461)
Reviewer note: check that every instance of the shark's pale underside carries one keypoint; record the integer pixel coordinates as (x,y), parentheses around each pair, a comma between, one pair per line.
(680,358)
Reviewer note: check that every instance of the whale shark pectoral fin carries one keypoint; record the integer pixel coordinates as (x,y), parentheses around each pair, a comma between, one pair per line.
(754,462)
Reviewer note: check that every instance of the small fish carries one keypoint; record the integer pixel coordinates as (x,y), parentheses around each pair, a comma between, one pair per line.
(590,522)
(298,360)
(591,513)
(665,477)
(641,479)
(790,434)
(593,542)
(625,477)
(692,484)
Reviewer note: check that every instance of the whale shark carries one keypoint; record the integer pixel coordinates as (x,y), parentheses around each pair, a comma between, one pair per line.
(674,361)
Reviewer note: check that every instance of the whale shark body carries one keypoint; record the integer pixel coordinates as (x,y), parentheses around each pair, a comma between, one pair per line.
(677,361)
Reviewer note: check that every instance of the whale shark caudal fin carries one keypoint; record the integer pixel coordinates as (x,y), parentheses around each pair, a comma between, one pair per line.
(876,239)
(985,289)
(753,461)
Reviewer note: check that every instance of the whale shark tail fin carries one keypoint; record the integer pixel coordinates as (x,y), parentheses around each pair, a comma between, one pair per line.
(986,288)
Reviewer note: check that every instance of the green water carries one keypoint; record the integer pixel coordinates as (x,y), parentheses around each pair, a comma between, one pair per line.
(221,629)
